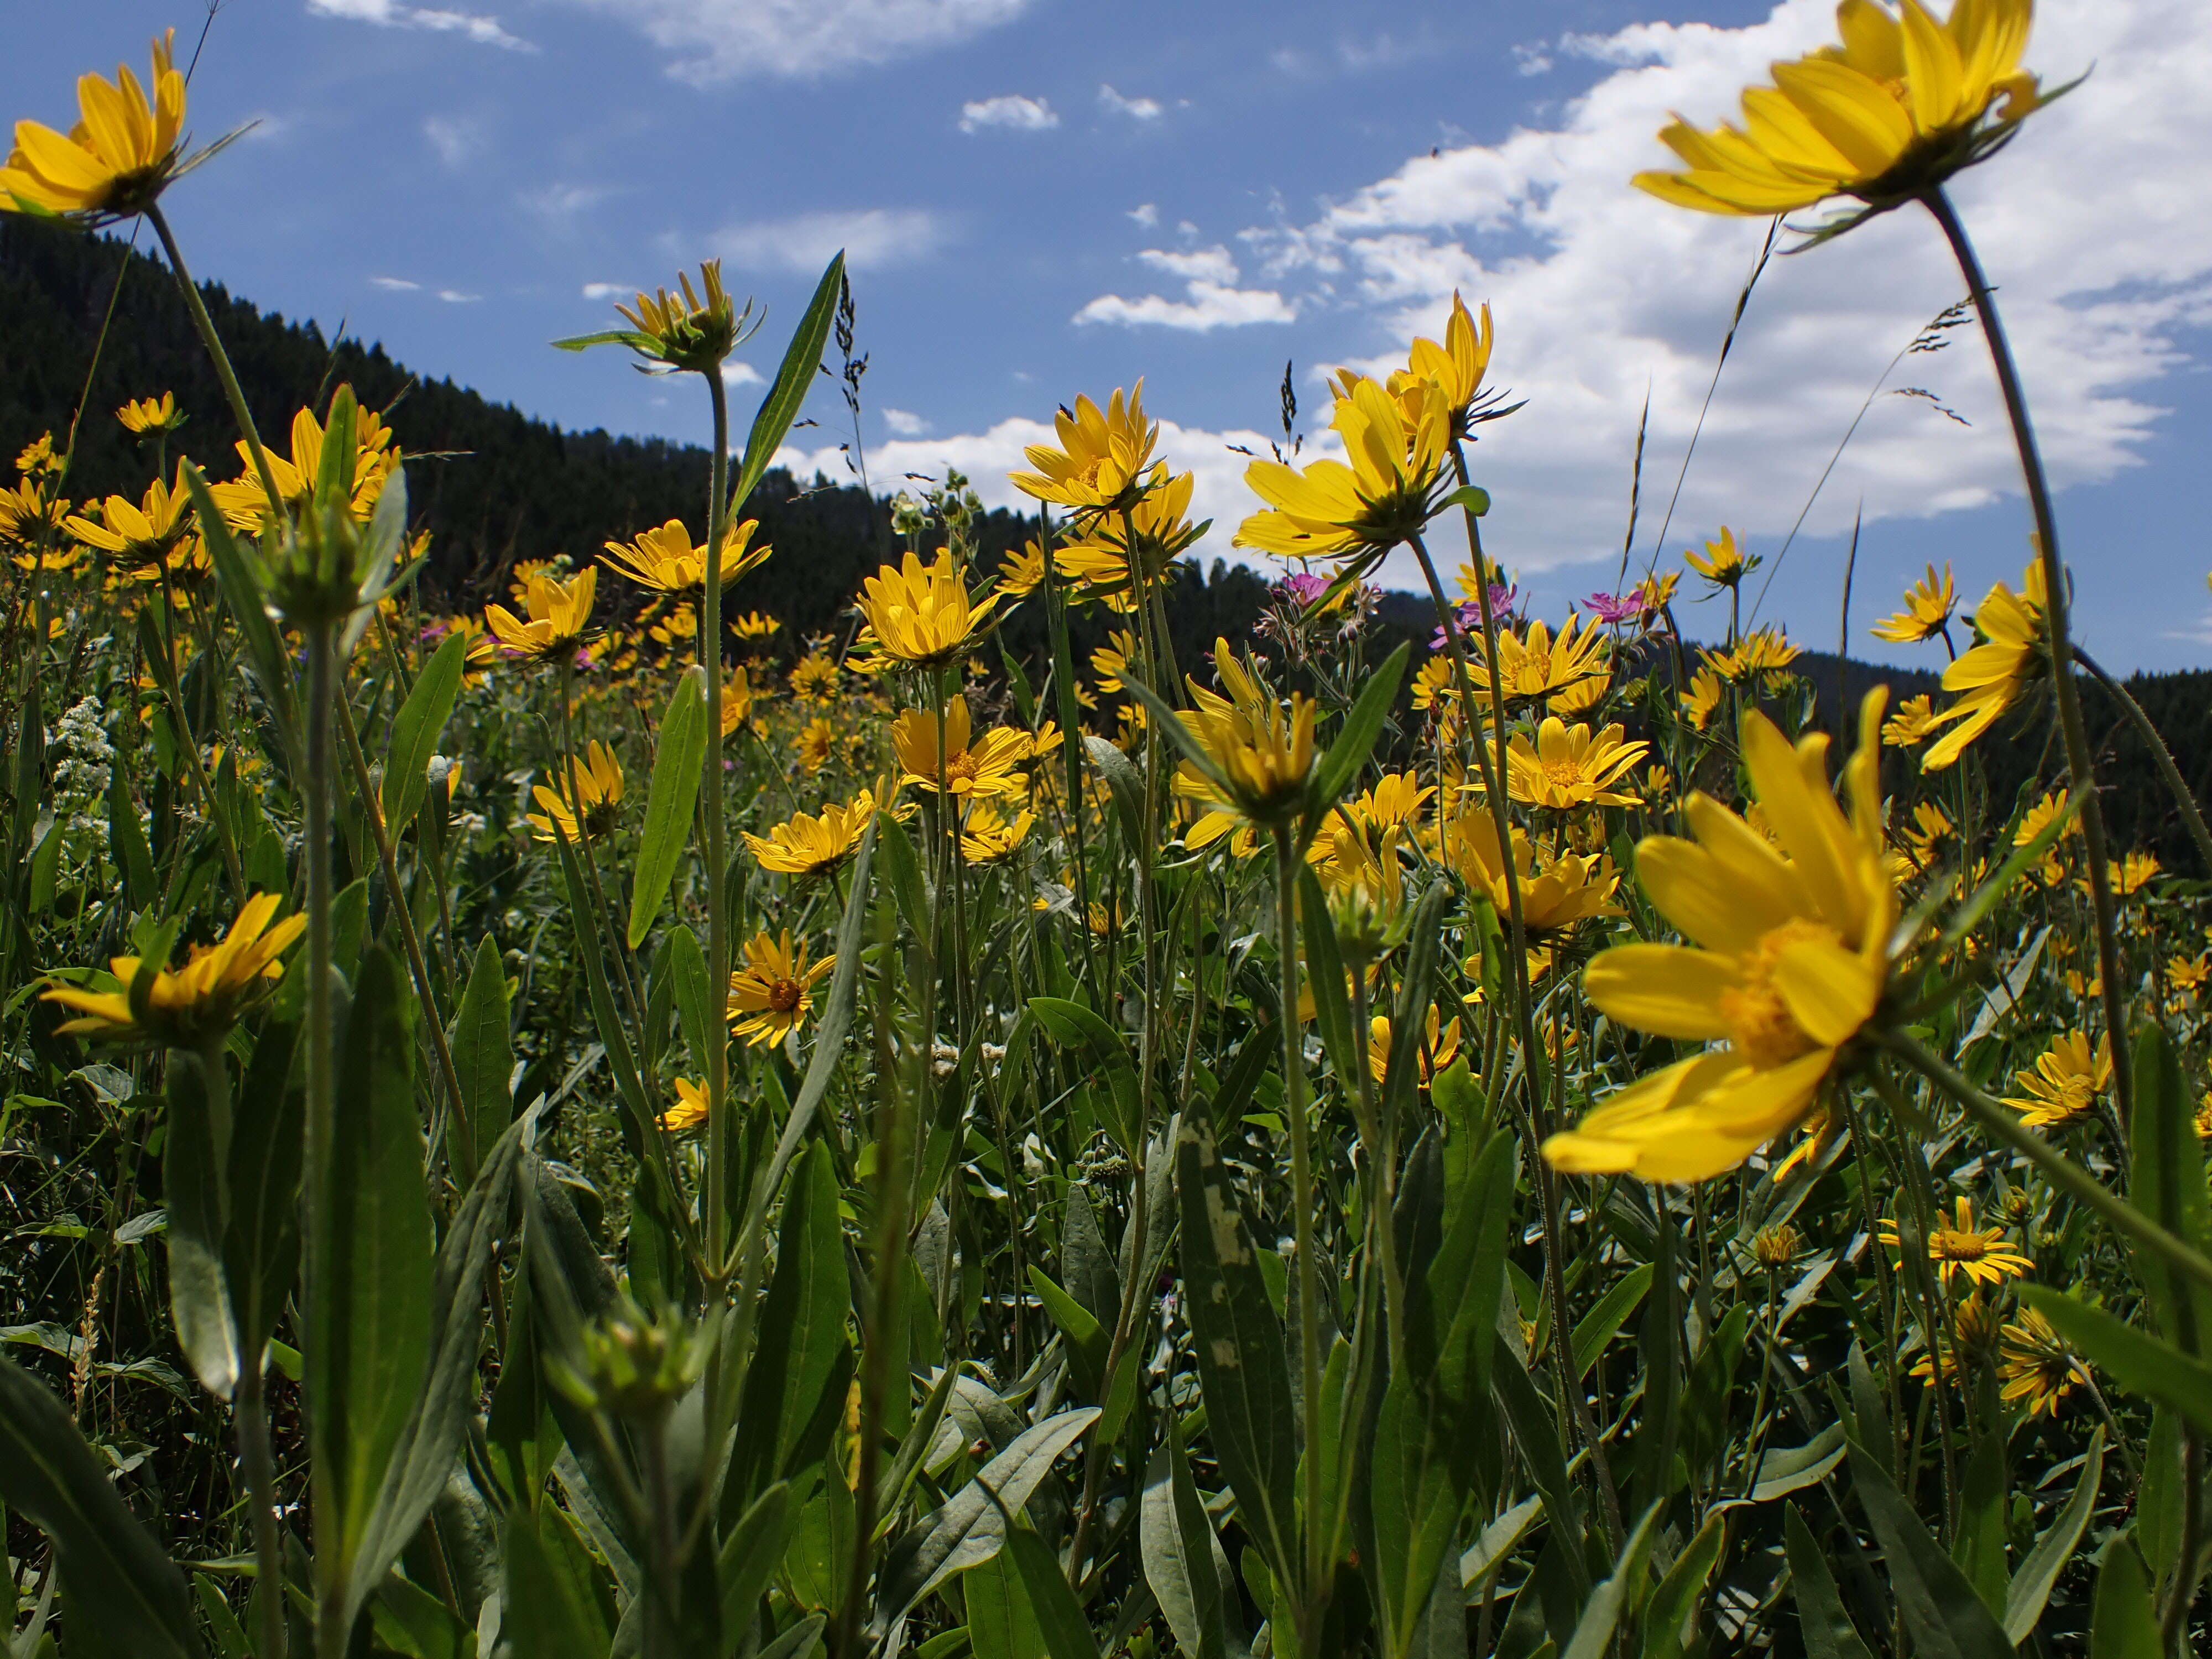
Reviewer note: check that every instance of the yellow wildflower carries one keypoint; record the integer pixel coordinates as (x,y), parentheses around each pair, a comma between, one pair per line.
(559,613)
(689,1111)
(2037,1368)
(1702,698)
(986,834)
(664,560)
(1723,563)
(1571,766)
(117,158)
(142,416)
(988,766)
(2064,1083)
(1439,1047)
(186,1006)
(1978,1254)
(595,780)
(921,613)
(1913,723)
(774,991)
(1379,496)
(809,845)
(1991,677)
(1928,606)
(1104,457)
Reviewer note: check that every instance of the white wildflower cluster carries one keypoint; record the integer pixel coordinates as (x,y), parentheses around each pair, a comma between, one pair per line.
(81,776)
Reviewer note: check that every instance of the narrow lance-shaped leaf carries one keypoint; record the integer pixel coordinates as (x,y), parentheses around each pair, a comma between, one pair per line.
(676,777)
(415,730)
(793,379)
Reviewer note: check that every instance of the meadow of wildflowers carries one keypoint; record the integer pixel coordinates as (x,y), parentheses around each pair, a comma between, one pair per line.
(600,1126)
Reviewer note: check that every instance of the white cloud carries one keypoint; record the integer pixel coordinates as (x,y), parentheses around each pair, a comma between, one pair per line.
(724,39)
(1209,276)
(741,373)
(1136,109)
(1531,58)
(453,296)
(600,293)
(397,284)
(455,141)
(1146,213)
(1009,111)
(558,202)
(1599,291)
(871,237)
(391,14)
(904,424)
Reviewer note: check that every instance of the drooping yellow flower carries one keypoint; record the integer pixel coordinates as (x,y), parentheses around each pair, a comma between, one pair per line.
(596,780)
(1114,549)
(2037,1368)
(1913,723)
(1723,563)
(117,159)
(1555,898)
(1455,368)
(774,991)
(809,845)
(920,613)
(1572,766)
(986,834)
(1978,1254)
(1903,103)
(664,560)
(988,766)
(2063,1083)
(1702,698)
(1381,494)
(244,502)
(140,535)
(737,702)
(1655,593)
(1439,1047)
(689,1111)
(559,613)
(1104,460)
(186,1006)
(142,416)
(1264,751)
(1790,963)
(1992,676)
(1533,665)
(2039,817)
(1929,603)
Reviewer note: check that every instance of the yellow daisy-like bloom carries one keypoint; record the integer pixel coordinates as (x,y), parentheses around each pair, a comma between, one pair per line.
(559,613)
(1928,606)
(737,702)
(186,1006)
(2037,1368)
(245,503)
(1913,723)
(2064,1083)
(1394,803)
(1582,698)
(1702,698)
(2038,817)
(689,1111)
(1976,1333)
(1111,661)
(1118,548)
(1931,827)
(2128,876)
(1656,593)
(1455,368)
(1533,665)
(1991,677)
(1104,457)
(143,534)
(1790,963)
(815,739)
(986,834)
(809,845)
(2188,973)
(1023,573)
(1379,496)
(1571,766)
(664,560)
(1439,1047)
(143,415)
(1903,103)
(117,158)
(755,625)
(1554,898)
(1762,651)
(684,330)
(1435,685)
(1264,751)
(814,679)
(478,656)
(1775,1248)
(990,766)
(597,781)
(921,613)
(1723,563)
(1979,1254)
(774,991)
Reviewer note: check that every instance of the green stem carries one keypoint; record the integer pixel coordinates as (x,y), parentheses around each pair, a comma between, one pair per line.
(710,795)
(224,373)
(2063,1171)
(1313,1596)
(2080,766)
(322,1100)
(260,1467)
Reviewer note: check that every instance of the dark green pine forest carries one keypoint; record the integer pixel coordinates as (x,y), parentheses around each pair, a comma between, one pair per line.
(494,486)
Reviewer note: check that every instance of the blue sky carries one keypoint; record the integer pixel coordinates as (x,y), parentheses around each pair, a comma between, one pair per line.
(1041,198)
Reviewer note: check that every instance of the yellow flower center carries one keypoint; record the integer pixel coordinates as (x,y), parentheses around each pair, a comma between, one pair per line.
(1764,1031)
(961,768)
(1564,771)
(783,996)
(1944,1245)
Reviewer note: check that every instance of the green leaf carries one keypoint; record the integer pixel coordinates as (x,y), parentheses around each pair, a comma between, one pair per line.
(1979,1545)
(1325,973)
(1602,1323)
(1472,497)
(2123,1619)
(194,1179)
(126,841)
(369,1260)
(634,338)
(128,1593)
(695,1010)
(1001,1623)
(1243,1365)
(1072,1025)
(2031,1586)
(2168,1184)
(750,1553)
(544,1613)
(677,759)
(1417,994)
(1826,1629)
(237,573)
(483,1060)
(1059,1614)
(802,360)
(802,1331)
(261,1246)
(1669,1619)
(640,1128)
(1529,1416)
(1941,1611)
(1122,784)
(415,730)
(1185,1566)
(1086,1339)
(2138,1362)
(1619,1593)
(1362,724)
